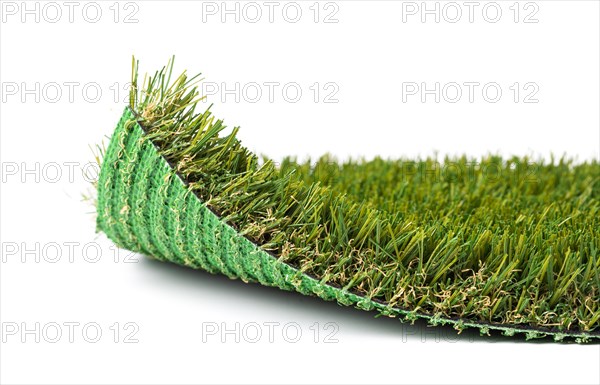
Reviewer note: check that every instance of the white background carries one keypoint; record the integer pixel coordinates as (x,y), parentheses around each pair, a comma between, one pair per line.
(368,54)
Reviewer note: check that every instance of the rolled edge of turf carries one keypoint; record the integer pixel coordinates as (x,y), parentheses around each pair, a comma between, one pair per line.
(143,205)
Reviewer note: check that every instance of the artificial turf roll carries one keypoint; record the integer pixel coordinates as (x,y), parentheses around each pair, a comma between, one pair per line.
(515,250)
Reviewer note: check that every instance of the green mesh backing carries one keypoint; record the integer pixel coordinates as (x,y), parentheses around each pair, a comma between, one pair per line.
(144,206)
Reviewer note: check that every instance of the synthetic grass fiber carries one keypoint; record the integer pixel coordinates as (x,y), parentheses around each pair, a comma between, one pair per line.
(491,243)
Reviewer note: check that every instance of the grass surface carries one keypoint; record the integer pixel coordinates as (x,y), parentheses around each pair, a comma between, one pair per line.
(499,241)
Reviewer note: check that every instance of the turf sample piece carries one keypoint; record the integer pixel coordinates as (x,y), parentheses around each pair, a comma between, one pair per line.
(505,245)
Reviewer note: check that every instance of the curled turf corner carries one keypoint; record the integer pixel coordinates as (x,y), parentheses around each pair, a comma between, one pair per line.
(171,188)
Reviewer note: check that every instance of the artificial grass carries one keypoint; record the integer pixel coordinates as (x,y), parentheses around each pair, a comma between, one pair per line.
(491,243)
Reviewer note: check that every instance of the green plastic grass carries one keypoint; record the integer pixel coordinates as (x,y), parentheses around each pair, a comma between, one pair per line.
(490,243)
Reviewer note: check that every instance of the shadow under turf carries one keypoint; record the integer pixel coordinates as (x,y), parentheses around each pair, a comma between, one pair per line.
(359,321)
